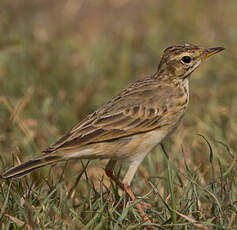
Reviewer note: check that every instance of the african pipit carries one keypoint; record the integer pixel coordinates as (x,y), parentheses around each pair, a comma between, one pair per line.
(132,123)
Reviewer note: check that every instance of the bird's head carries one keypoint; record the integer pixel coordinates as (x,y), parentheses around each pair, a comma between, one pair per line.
(181,60)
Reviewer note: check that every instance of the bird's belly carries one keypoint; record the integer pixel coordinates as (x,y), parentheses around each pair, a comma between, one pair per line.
(120,149)
(128,148)
(139,145)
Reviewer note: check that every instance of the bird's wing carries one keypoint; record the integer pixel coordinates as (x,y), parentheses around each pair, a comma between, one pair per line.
(135,110)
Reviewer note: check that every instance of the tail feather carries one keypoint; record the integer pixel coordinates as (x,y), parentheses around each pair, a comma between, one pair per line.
(29,166)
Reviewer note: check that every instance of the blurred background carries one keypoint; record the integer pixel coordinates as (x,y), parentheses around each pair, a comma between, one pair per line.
(62,59)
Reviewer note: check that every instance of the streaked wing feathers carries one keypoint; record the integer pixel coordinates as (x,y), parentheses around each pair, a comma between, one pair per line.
(112,122)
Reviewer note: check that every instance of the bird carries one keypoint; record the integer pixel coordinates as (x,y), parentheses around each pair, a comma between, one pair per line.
(130,125)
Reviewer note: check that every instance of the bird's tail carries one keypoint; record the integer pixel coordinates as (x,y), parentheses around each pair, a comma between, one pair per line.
(29,166)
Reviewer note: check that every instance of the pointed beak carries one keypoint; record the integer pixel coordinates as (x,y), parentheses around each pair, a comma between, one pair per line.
(210,51)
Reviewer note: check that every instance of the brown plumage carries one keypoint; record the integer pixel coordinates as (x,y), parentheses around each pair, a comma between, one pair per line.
(132,123)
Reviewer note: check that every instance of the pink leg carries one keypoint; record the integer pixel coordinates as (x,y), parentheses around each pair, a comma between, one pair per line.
(109,172)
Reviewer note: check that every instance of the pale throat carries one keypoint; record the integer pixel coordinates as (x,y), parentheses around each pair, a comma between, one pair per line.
(186,86)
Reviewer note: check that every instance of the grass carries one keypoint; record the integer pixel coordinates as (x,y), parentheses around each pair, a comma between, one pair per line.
(61,61)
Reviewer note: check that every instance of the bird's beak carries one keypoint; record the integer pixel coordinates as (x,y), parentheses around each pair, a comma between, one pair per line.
(210,51)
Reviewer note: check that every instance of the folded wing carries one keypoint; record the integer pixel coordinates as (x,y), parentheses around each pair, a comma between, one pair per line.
(125,115)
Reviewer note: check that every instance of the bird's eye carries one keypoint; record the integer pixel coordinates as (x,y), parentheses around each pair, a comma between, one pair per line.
(186,59)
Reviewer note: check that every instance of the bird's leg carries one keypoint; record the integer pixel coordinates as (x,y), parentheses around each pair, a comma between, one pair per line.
(125,186)
(128,179)
(109,172)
